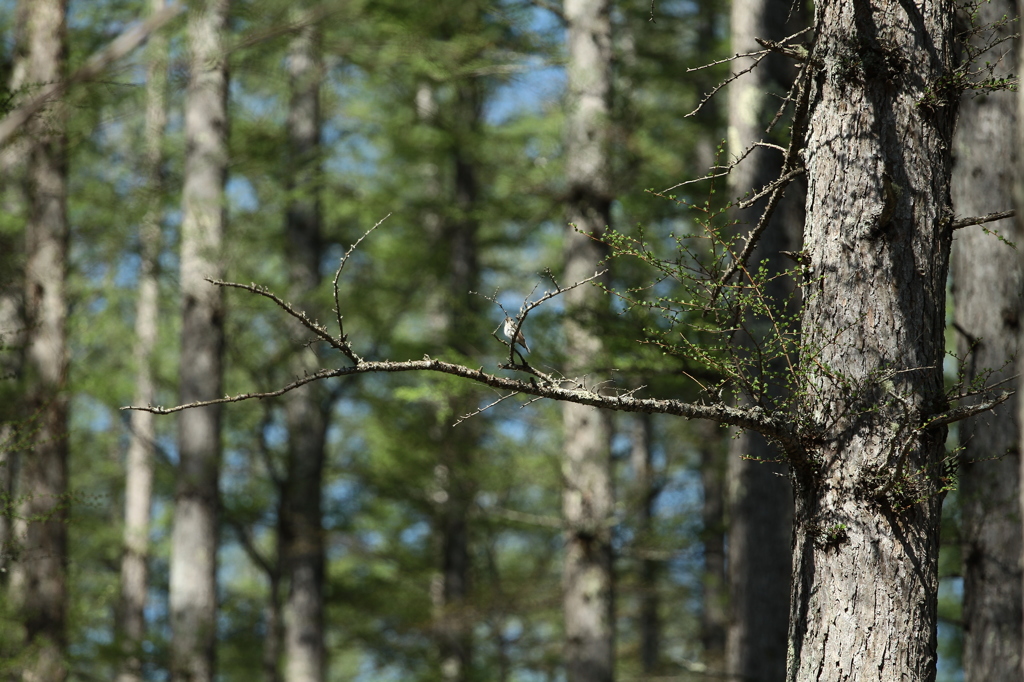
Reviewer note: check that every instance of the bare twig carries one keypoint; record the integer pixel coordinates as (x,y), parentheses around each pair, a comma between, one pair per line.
(982,219)
(322,374)
(753,418)
(779,46)
(770,187)
(725,170)
(959,413)
(520,318)
(298,315)
(790,165)
(758,56)
(482,409)
(95,65)
(341,266)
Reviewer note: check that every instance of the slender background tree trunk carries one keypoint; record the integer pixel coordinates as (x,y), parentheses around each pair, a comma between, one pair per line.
(587,497)
(305,408)
(193,570)
(645,494)
(39,577)
(12,297)
(714,617)
(868,485)
(759,495)
(139,466)
(458,445)
(987,289)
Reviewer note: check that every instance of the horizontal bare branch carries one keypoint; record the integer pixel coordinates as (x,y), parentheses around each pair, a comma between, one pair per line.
(982,219)
(965,411)
(753,418)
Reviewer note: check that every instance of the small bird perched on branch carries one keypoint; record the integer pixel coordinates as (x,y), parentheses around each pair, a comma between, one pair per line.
(510,327)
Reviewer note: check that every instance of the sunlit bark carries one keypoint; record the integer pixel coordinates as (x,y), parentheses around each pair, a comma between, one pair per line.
(587,497)
(193,585)
(868,480)
(39,577)
(139,465)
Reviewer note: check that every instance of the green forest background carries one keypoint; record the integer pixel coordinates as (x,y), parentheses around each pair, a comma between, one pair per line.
(384,480)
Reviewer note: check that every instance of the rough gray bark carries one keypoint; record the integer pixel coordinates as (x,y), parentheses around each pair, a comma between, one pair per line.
(139,465)
(193,593)
(868,476)
(39,578)
(302,542)
(987,289)
(1018,203)
(759,496)
(587,496)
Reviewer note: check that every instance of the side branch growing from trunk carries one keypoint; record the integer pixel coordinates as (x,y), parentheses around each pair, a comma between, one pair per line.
(775,425)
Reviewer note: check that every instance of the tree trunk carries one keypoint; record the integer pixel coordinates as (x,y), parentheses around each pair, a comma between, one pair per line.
(13,202)
(587,497)
(139,466)
(303,541)
(646,491)
(193,593)
(987,288)
(714,617)
(759,496)
(273,636)
(459,445)
(39,578)
(869,480)
(456,232)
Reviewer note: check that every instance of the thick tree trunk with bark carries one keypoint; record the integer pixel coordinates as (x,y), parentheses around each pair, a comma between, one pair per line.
(39,578)
(868,478)
(139,466)
(303,542)
(587,497)
(193,586)
(987,289)
(760,497)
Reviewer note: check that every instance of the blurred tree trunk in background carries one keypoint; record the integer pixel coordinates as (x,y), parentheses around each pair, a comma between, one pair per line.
(459,444)
(12,298)
(453,225)
(303,541)
(139,465)
(193,569)
(587,497)
(39,578)
(714,621)
(987,291)
(647,487)
(760,496)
